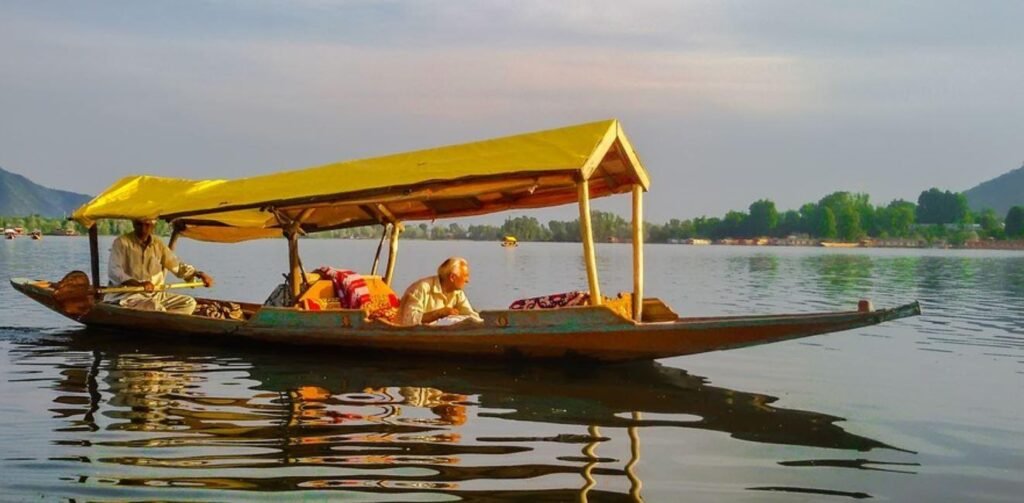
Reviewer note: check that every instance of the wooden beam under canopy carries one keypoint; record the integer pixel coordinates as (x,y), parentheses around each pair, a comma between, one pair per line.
(294,269)
(175,234)
(380,244)
(396,229)
(292,229)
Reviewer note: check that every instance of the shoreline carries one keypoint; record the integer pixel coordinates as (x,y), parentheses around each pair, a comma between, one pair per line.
(906,244)
(1017,245)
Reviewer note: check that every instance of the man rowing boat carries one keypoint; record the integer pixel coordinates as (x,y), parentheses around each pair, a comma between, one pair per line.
(139,258)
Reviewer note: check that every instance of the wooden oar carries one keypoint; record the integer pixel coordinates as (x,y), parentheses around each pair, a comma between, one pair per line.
(131,289)
(75,296)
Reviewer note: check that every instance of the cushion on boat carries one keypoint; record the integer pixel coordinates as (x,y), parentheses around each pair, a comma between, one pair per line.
(322,289)
(319,304)
(382,303)
(553,301)
(345,289)
(219,309)
(621,305)
(349,286)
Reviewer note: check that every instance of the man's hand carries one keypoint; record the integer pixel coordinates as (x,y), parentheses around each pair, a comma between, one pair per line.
(437,314)
(206,279)
(146,285)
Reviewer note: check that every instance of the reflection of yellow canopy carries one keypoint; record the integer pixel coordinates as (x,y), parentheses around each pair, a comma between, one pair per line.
(525,171)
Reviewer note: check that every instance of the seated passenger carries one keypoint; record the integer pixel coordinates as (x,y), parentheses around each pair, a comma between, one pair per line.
(436,297)
(138,259)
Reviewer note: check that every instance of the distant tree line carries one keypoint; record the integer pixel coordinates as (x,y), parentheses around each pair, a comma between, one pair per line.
(59,225)
(841,216)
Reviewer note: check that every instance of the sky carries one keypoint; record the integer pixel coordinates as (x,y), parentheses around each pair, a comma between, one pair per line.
(726,102)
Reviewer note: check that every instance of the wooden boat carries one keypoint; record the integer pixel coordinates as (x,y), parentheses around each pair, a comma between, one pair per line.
(509,242)
(839,244)
(546,168)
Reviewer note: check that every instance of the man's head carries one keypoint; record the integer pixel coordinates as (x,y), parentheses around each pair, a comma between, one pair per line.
(143,228)
(453,273)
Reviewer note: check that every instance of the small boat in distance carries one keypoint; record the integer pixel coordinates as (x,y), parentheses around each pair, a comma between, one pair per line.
(839,244)
(36,234)
(509,241)
(10,234)
(569,165)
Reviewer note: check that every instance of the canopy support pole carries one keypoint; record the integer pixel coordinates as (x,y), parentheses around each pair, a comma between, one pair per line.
(380,245)
(587,234)
(94,255)
(294,277)
(396,229)
(292,228)
(175,234)
(638,252)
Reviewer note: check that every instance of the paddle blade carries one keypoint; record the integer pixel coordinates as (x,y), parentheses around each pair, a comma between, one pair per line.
(74,294)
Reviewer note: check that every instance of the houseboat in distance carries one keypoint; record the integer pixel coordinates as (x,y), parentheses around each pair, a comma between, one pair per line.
(839,244)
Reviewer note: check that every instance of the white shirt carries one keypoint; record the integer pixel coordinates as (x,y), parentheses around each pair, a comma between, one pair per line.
(132,260)
(426,295)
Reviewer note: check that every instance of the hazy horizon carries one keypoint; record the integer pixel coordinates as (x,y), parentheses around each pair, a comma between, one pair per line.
(726,102)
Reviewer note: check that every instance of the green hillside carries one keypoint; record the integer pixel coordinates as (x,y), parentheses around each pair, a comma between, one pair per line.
(999,193)
(20,196)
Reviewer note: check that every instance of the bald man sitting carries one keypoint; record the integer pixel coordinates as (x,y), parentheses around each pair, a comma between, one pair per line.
(437,297)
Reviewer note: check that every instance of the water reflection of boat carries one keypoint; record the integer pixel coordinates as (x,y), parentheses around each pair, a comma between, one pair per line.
(390,426)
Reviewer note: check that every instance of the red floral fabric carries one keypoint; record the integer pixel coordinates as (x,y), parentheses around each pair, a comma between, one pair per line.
(566,299)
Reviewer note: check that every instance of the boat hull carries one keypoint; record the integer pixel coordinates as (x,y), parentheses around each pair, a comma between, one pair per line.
(588,332)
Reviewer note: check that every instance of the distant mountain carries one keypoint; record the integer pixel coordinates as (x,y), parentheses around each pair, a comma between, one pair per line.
(999,193)
(20,196)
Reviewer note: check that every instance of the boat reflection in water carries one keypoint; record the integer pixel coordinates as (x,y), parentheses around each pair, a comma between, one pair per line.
(148,415)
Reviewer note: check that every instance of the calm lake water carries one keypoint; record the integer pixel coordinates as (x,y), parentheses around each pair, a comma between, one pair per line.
(925,409)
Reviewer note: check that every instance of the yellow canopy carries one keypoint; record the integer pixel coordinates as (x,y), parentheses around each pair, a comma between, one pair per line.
(531,170)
